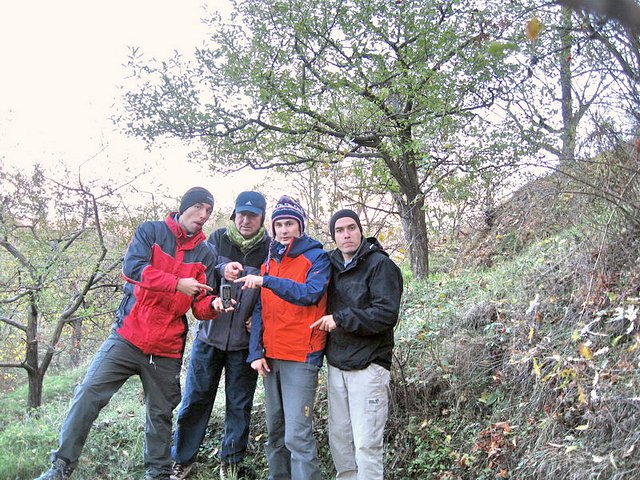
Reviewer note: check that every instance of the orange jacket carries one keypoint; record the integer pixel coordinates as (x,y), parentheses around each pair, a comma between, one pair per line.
(293,296)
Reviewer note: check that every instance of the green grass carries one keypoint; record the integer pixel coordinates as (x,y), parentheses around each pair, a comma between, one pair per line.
(114,448)
(114,445)
(517,382)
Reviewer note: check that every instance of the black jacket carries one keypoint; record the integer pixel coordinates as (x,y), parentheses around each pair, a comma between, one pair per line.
(364,298)
(228,331)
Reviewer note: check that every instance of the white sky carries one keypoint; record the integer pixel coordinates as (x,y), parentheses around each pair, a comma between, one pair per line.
(61,63)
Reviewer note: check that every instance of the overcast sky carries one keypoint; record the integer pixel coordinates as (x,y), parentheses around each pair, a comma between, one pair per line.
(61,63)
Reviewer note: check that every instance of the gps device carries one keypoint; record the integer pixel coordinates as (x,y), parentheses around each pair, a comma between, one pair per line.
(225,295)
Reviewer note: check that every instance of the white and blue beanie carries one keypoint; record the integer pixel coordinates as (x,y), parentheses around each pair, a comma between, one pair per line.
(287,207)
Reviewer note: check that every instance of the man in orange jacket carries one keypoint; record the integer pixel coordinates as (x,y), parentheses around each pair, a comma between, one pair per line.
(282,348)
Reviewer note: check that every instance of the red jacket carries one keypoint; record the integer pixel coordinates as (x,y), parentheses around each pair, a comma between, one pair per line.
(152,314)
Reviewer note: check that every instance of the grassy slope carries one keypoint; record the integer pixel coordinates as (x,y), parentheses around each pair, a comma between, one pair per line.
(522,362)
(519,360)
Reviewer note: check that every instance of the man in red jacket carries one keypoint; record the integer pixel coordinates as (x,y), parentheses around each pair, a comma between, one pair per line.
(168,269)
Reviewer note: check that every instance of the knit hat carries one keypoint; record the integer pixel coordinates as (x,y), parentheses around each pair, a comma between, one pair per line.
(252,202)
(287,207)
(195,195)
(344,213)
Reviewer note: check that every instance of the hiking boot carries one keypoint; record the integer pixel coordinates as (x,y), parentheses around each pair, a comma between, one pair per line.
(60,470)
(229,471)
(181,470)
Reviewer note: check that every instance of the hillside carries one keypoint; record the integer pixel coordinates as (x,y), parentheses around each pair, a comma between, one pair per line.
(518,362)
(521,362)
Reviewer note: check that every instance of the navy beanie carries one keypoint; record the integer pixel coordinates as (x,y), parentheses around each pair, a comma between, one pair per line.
(287,207)
(344,213)
(195,195)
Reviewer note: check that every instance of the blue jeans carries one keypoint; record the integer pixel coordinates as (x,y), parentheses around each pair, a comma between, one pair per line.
(203,376)
(290,391)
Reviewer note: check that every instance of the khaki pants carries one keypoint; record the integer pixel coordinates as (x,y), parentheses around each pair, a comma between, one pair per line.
(358,409)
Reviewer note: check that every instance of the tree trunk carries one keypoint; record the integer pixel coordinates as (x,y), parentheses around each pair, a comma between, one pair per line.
(35,376)
(570,118)
(36,379)
(414,227)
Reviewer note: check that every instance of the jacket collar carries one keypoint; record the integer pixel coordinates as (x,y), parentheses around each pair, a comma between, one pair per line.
(183,239)
(367,246)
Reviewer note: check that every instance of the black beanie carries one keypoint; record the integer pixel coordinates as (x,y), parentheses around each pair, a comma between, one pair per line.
(195,195)
(342,214)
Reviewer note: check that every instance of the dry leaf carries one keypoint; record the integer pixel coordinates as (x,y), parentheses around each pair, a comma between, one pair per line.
(585,351)
(534,26)
(536,367)
(628,453)
(506,428)
(531,332)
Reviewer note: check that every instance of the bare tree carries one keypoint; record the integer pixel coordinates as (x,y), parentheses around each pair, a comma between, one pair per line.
(55,264)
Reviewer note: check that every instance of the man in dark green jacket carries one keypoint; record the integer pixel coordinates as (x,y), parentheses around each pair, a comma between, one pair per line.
(364,303)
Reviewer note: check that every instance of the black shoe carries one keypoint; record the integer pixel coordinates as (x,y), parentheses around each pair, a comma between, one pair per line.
(60,470)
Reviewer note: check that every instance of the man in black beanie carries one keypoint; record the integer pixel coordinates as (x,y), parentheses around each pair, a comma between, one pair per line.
(168,270)
(363,303)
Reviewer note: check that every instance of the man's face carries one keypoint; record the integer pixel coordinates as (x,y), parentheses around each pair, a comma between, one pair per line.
(348,236)
(194,217)
(248,223)
(286,230)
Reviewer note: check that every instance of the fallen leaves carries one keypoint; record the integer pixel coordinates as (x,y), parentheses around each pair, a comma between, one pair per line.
(494,442)
(585,351)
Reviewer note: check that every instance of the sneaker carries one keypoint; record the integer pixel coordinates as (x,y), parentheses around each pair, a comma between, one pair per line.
(229,471)
(181,470)
(60,470)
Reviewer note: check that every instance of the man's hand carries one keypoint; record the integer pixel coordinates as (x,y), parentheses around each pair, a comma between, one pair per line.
(216,303)
(232,270)
(326,323)
(191,287)
(250,281)
(261,366)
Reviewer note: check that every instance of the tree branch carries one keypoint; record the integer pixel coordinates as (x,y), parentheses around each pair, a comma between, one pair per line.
(13,323)
(627,12)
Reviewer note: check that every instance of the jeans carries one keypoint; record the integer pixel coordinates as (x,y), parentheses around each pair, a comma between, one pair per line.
(115,362)
(290,390)
(203,376)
